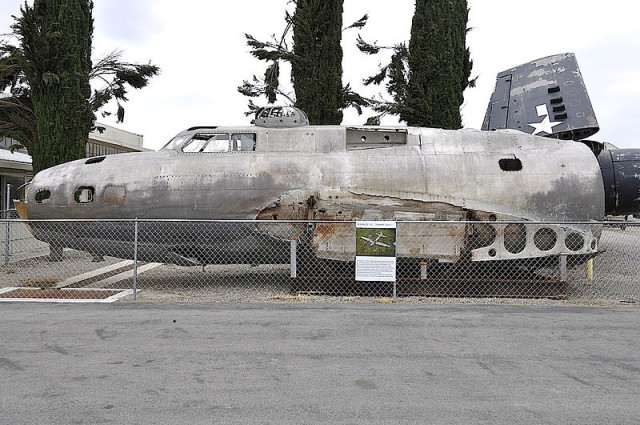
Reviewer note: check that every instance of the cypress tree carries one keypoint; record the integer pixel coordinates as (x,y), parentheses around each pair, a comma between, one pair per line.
(51,109)
(439,64)
(316,69)
(56,37)
(316,63)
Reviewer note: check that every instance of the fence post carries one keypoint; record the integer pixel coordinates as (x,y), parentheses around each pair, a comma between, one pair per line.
(423,270)
(7,242)
(294,265)
(135,259)
(589,269)
(563,267)
(7,239)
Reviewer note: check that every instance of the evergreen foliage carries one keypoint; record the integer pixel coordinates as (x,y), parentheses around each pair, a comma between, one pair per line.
(316,63)
(427,80)
(51,109)
(56,37)
(317,69)
(439,63)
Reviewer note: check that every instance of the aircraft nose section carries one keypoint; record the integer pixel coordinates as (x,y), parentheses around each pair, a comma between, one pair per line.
(621,174)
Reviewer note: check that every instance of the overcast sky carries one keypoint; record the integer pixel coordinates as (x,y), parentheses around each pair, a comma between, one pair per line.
(201,49)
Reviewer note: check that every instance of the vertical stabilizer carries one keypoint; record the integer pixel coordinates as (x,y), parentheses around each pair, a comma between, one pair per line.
(545,97)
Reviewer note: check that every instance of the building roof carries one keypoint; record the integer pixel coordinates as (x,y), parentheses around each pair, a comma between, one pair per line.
(15,160)
(117,137)
(111,136)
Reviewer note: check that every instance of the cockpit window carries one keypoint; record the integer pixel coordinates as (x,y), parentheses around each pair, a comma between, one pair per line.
(208,143)
(221,142)
(175,143)
(217,143)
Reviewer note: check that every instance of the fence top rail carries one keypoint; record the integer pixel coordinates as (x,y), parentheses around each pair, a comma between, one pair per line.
(452,222)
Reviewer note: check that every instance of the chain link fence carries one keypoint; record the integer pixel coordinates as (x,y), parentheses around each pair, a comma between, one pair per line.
(249,260)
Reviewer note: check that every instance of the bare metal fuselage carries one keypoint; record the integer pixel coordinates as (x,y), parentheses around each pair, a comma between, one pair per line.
(342,174)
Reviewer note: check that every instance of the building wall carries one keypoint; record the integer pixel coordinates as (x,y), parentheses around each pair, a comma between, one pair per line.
(112,140)
(121,140)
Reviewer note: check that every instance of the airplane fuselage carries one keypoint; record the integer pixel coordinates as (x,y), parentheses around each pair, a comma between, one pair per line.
(344,174)
(510,174)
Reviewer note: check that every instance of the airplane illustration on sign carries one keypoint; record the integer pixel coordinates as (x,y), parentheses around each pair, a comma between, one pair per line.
(375,241)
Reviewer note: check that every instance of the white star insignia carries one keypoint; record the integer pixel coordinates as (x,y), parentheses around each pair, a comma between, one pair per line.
(546,125)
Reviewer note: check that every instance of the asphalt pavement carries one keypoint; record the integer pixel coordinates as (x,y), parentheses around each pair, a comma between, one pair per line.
(296,363)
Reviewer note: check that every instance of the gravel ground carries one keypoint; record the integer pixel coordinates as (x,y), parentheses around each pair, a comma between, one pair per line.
(150,296)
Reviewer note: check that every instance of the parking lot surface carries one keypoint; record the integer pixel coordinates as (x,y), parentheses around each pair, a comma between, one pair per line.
(318,363)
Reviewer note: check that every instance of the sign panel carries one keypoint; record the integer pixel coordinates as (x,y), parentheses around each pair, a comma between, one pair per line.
(376,251)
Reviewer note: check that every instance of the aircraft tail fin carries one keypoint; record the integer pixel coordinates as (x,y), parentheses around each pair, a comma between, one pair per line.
(545,97)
